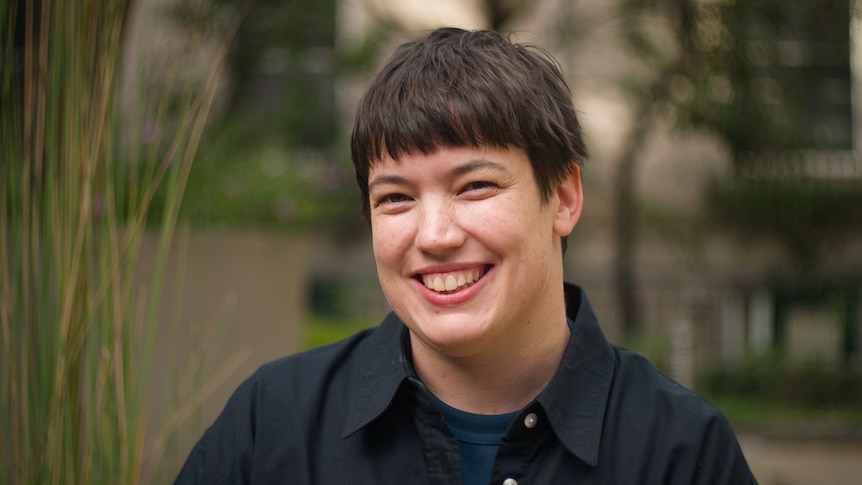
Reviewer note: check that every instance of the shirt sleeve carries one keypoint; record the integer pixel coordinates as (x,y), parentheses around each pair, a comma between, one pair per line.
(720,459)
(224,453)
(658,431)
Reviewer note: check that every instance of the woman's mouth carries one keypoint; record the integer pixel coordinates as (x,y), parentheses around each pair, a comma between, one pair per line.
(452,281)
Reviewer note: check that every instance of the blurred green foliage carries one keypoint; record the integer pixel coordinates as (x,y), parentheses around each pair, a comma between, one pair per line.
(655,346)
(280,66)
(807,216)
(275,155)
(319,330)
(766,390)
(776,415)
(773,378)
(764,75)
(238,183)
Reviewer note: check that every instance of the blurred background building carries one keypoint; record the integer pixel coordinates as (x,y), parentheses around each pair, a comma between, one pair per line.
(722,228)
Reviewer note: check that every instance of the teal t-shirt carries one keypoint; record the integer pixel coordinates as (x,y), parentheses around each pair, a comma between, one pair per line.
(478,437)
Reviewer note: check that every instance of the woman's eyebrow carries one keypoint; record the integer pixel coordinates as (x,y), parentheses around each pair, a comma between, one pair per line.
(479,164)
(471,166)
(384,179)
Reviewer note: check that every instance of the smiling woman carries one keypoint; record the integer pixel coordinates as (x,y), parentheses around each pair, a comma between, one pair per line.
(490,369)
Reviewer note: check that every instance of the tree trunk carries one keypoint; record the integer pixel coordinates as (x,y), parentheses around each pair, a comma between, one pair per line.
(625,217)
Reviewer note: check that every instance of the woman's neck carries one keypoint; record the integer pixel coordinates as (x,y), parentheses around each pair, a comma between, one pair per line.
(497,381)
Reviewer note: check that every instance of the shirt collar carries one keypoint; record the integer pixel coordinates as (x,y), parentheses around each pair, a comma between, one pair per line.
(574,400)
(382,370)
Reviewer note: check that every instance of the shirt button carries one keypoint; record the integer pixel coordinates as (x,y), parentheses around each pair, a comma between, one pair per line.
(530,421)
(510,481)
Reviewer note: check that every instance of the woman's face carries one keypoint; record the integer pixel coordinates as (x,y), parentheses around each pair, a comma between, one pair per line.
(466,247)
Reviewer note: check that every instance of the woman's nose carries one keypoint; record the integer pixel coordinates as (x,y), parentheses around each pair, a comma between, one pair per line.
(438,229)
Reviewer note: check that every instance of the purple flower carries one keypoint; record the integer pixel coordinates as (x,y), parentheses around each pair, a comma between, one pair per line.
(98,206)
(148,134)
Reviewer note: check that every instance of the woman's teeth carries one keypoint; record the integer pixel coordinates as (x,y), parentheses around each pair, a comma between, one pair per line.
(452,281)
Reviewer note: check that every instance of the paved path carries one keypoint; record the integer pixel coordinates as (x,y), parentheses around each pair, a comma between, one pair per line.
(803,461)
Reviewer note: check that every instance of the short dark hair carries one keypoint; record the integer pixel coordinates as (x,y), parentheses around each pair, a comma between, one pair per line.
(455,87)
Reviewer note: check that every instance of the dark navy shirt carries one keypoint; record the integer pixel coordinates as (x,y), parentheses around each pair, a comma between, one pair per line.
(355,412)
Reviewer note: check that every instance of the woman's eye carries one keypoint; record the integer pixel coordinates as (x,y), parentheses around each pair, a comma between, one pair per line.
(392,199)
(477,186)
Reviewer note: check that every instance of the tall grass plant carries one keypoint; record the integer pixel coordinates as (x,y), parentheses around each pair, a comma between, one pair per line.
(76,321)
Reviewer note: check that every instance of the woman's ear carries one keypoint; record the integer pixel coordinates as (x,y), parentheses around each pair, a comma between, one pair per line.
(570,201)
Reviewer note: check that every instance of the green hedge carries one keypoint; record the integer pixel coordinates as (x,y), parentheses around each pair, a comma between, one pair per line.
(771,379)
(806,215)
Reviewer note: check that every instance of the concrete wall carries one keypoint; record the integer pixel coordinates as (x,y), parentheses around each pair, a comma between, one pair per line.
(231,302)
